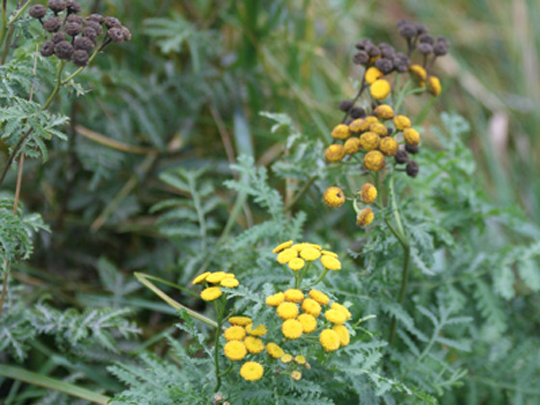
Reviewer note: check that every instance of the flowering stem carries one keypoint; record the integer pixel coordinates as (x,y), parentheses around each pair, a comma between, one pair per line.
(321,277)
(219,316)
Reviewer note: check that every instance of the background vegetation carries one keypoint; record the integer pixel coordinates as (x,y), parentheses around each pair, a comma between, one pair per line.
(166,114)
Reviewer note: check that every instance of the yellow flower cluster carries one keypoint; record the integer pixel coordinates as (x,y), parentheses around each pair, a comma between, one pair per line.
(243,339)
(369,136)
(296,255)
(288,305)
(422,78)
(213,282)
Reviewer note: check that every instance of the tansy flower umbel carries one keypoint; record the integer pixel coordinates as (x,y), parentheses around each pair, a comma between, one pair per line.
(365,217)
(260,330)
(287,255)
(368,193)
(275,300)
(310,254)
(312,307)
(380,89)
(308,322)
(370,141)
(401,122)
(235,333)
(331,263)
(296,264)
(254,345)
(335,316)
(411,135)
(389,146)
(329,340)
(334,197)
(320,297)
(342,309)
(274,350)
(384,111)
(240,320)
(201,277)
(287,310)
(251,371)
(341,132)
(374,161)
(235,350)
(343,333)
(294,295)
(292,329)
(352,145)
(282,246)
(334,153)
(211,293)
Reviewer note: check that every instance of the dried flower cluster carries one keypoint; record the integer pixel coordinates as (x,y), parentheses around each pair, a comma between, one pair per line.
(72,37)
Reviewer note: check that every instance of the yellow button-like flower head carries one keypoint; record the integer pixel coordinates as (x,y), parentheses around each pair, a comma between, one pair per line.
(308,322)
(282,246)
(299,359)
(292,329)
(380,89)
(384,111)
(312,307)
(329,340)
(274,350)
(229,282)
(287,255)
(240,320)
(253,344)
(341,132)
(334,153)
(251,371)
(216,277)
(434,85)
(389,146)
(310,254)
(412,137)
(286,358)
(260,330)
(401,122)
(275,299)
(342,309)
(296,375)
(352,145)
(235,350)
(211,293)
(365,217)
(287,310)
(379,129)
(418,71)
(294,295)
(374,161)
(370,141)
(335,316)
(296,264)
(356,125)
(372,74)
(343,333)
(320,297)
(235,333)
(201,277)
(329,253)
(368,193)
(331,263)
(334,197)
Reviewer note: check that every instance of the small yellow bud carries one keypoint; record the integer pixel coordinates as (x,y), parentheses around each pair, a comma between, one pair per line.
(434,85)
(384,111)
(341,132)
(334,197)
(412,137)
(401,122)
(368,193)
(370,141)
(373,74)
(418,71)
(334,153)
(365,217)
(389,146)
(374,161)
(379,129)
(352,145)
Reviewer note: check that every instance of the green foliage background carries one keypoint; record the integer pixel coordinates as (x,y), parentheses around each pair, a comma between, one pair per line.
(139,185)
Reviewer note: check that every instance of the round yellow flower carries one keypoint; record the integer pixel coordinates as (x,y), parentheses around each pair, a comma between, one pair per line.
(240,320)
(229,282)
(320,297)
(352,145)
(374,161)
(343,333)
(341,308)
(412,137)
(384,111)
(253,344)
(294,295)
(235,350)
(201,277)
(389,146)
(314,246)
(300,246)
(310,254)
(372,74)
(251,371)
(401,122)
(296,264)
(211,293)
(287,255)
(308,322)
(286,358)
(260,330)
(329,253)
(368,122)
(216,277)
(274,350)
(380,89)
(235,333)
(275,300)
(365,217)
(370,141)
(434,85)
(341,132)
(329,340)
(287,310)
(334,153)
(379,128)
(368,193)
(334,197)
(418,71)
(299,359)
(335,316)
(331,263)
(292,329)
(296,375)
(312,307)
(356,125)
(282,246)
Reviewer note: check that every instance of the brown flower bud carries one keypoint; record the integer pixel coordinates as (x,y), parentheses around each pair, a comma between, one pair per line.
(47,49)
(73,7)
(116,34)
(73,29)
(96,17)
(412,169)
(80,58)
(63,50)
(57,5)
(83,43)
(37,11)
(111,22)
(401,157)
(53,24)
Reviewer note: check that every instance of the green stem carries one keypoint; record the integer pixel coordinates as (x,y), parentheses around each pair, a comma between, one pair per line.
(4,21)
(303,274)
(219,316)
(321,277)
